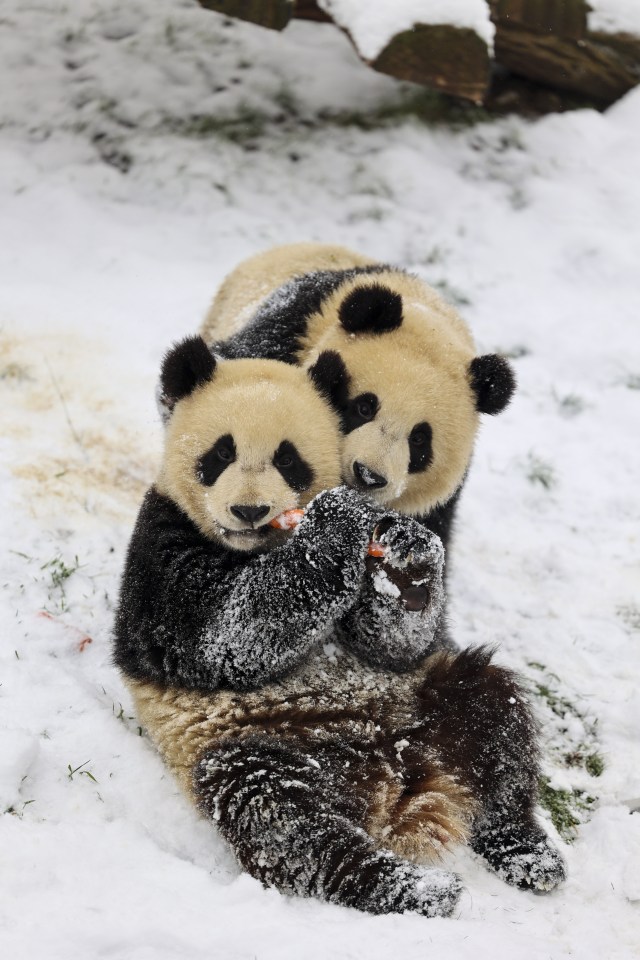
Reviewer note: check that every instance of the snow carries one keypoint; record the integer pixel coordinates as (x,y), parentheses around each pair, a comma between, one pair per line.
(373,25)
(614,16)
(533,228)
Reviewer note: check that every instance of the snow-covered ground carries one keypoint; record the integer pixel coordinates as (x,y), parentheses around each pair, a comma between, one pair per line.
(145,148)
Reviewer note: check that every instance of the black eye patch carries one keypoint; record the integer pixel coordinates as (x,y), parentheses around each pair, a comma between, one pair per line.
(292,468)
(420,447)
(362,409)
(216,460)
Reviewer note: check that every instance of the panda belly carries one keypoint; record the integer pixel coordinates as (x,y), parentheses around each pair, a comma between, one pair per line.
(330,693)
(350,719)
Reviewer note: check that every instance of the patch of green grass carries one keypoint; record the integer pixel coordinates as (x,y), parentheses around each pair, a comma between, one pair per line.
(423,106)
(567,808)
(80,771)
(570,750)
(59,571)
(632,381)
(540,471)
(244,126)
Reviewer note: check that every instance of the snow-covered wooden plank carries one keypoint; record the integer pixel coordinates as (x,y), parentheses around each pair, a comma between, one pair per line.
(445,44)
(569,44)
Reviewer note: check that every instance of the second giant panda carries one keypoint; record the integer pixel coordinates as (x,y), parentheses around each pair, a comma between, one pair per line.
(329,774)
(399,366)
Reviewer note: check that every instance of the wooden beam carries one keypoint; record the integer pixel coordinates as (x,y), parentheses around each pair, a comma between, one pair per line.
(549,41)
(454,60)
(274,14)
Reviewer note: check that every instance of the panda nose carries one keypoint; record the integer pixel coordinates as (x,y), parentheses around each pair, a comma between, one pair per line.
(249,514)
(367,477)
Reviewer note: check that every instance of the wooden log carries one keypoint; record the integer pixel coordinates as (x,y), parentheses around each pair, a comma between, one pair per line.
(454,60)
(451,59)
(274,14)
(549,41)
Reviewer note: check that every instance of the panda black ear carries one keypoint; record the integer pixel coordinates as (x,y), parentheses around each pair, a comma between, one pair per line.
(371,309)
(330,377)
(189,364)
(492,381)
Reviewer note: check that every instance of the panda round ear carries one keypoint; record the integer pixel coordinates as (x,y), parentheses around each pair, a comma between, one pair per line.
(371,309)
(329,376)
(492,381)
(189,364)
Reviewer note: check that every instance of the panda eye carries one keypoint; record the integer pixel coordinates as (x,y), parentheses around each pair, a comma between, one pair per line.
(420,447)
(225,454)
(366,410)
(284,461)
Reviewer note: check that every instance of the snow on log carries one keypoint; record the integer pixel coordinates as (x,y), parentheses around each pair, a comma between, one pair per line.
(589,47)
(444,43)
(586,48)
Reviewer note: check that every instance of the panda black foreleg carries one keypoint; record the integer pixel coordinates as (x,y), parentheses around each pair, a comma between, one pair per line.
(399,616)
(477,719)
(290,828)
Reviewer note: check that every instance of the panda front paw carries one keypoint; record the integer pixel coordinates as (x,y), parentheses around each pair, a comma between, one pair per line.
(412,567)
(337,526)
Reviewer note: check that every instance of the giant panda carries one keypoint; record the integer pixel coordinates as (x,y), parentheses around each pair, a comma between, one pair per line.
(399,366)
(329,774)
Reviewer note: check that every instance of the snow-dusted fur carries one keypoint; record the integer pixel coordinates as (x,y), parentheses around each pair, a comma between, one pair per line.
(335,761)
(388,336)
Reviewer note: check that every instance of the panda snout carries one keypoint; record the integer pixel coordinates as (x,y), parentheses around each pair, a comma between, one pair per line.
(249,514)
(368,479)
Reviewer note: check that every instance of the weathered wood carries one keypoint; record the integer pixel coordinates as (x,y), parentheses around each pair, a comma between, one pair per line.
(309,10)
(454,60)
(274,14)
(548,41)
(545,41)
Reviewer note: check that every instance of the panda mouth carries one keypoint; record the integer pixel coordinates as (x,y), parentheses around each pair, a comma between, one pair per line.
(249,533)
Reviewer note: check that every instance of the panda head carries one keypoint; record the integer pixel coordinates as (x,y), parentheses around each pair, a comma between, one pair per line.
(400,368)
(245,440)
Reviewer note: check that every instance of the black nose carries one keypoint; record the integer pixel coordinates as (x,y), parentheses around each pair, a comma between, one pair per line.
(368,478)
(249,514)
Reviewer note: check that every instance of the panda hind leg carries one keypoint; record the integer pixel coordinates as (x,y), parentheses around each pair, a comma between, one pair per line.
(290,828)
(480,723)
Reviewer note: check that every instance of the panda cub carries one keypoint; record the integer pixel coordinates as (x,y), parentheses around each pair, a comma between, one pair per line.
(245,441)
(400,368)
(329,774)
(398,363)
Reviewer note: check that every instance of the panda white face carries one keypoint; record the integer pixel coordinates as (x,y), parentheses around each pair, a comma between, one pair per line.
(408,387)
(251,441)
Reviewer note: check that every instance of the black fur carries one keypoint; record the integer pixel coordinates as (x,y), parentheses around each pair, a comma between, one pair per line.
(381,629)
(216,460)
(372,309)
(329,374)
(493,382)
(420,447)
(362,409)
(275,330)
(189,364)
(292,467)
(193,613)
(293,804)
